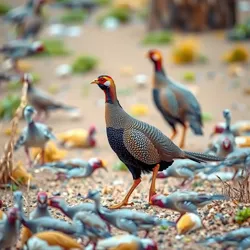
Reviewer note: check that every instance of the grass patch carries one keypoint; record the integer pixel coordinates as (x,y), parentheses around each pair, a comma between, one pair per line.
(242,215)
(206,117)
(4,8)
(74,17)
(158,38)
(8,106)
(102,2)
(84,64)
(123,15)
(189,76)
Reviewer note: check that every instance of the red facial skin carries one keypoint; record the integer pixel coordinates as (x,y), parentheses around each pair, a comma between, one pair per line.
(12,215)
(42,197)
(40,48)
(219,129)
(157,202)
(161,175)
(54,202)
(226,144)
(152,247)
(1,203)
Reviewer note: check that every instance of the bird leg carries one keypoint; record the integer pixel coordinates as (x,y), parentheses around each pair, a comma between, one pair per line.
(183,136)
(235,174)
(43,156)
(125,200)
(179,217)
(152,187)
(174,133)
(30,163)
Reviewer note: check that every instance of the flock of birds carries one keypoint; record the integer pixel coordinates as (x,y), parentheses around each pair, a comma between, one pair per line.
(141,147)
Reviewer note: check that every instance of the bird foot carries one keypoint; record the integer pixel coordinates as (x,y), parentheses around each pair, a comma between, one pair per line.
(151,194)
(122,204)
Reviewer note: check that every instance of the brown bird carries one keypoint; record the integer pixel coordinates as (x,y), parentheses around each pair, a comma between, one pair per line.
(140,146)
(175,102)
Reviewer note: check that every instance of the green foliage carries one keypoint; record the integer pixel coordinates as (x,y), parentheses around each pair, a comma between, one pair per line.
(202,59)
(158,38)
(119,166)
(189,76)
(8,106)
(240,32)
(13,187)
(102,2)
(84,64)
(143,14)
(206,117)
(54,47)
(74,17)
(121,14)
(4,8)
(242,215)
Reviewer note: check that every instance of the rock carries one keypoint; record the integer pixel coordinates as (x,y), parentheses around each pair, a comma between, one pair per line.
(64,70)
(110,23)
(56,193)
(141,80)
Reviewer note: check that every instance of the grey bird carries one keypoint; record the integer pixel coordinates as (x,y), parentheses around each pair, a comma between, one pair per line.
(33,135)
(71,211)
(238,159)
(225,143)
(18,203)
(125,219)
(185,201)
(41,209)
(17,49)
(9,230)
(88,5)
(16,15)
(42,101)
(232,238)
(5,77)
(244,244)
(74,168)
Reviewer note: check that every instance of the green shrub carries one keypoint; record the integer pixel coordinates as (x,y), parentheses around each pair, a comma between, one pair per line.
(189,76)
(84,64)
(74,17)
(158,38)
(8,106)
(4,8)
(242,215)
(206,117)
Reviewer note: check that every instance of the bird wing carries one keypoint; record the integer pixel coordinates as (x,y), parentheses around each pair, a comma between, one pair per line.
(47,131)
(187,206)
(185,172)
(22,139)
(126,225)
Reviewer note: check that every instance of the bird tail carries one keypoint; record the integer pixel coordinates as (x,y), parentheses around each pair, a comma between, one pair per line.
(219,197)
(166,223)
(195,125)
(213,168)
(199,157)
(210,240)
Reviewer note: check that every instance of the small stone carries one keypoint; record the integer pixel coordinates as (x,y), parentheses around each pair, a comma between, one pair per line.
(64,70)
(161,232)
(141,80)
(56,193)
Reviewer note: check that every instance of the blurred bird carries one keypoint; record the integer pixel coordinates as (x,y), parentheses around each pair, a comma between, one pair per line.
(16,15)
(51,240)
(33,135)
(225,143)
(18,203)
(244,244)
(9,230)
(185,201)
(78,138)
(239,128)
(140,146)
(124,242)
(125,219)
(88,5)
(175,102)
(43,102)
(74,168)
(5,77)
(17,49)
(71,211)
(188,223)
(31,24)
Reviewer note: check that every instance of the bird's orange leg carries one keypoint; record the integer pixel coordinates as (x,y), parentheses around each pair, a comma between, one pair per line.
(173,134)
(183,136)
(152,187)
(125,200)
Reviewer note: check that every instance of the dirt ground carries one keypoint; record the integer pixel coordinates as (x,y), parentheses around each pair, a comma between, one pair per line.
(116,50)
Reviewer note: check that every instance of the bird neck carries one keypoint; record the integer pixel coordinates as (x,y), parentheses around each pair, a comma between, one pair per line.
(158,66)
(37,9)
(228,123)
(30,3)
(110,95)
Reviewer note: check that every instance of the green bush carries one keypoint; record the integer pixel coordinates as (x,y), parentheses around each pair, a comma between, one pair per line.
(84,64)
(4,8)
(189,76)
(74,17)
(206,117)
(158,38)
(242,215)
(8,106)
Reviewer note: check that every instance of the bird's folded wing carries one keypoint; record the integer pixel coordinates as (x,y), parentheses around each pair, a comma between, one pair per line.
(187,206)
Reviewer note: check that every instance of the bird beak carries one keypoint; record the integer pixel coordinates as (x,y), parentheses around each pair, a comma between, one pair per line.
(95,81)
(104,165)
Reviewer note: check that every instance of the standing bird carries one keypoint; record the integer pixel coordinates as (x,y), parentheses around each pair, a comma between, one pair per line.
(175,102)
(17,49)
(33,135)
(140,146)
(42,101)
(225,143)
(185,201)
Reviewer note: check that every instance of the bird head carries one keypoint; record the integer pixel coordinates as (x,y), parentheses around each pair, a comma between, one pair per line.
(27,78)
(56,202)
(18,199)
(92,132)
(1,203)
(162,175)
(37,47)
(12,215)
(154,55)
(42,199)
(218,129)
(188,222)
(226,144)
(157,200)
(149,244)
(226,113)
(29,111)
(96,163)
(92,195)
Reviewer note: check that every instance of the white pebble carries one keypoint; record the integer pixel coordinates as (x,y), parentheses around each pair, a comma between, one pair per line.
(63,70)
(141,79)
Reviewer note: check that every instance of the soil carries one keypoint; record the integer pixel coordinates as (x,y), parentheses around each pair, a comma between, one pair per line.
(116,50)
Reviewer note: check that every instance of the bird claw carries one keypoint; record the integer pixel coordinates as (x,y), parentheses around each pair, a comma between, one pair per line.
(117,206)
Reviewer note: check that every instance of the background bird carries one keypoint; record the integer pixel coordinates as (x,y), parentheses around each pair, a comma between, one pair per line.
(140,146)
(175,102)
(33,135)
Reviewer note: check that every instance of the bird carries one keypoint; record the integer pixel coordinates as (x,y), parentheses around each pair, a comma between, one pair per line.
(51,240)
(70,211)
(125,219)
(183,169)
(174,101)
(17,49)
(88,5)
(189,222)
(41,101)
(140,146)
(32,23)
(9,230)
(5,77)
(125,242)
(239,128)
(225,143)
(244,244)
(16,15)
(238,159)
(74,168)
(33,135)
(185,201)
(78,138)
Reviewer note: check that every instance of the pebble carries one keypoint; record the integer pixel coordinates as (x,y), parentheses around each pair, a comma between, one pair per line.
(56,193)
(161,232)
(64,70)
(110,23)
